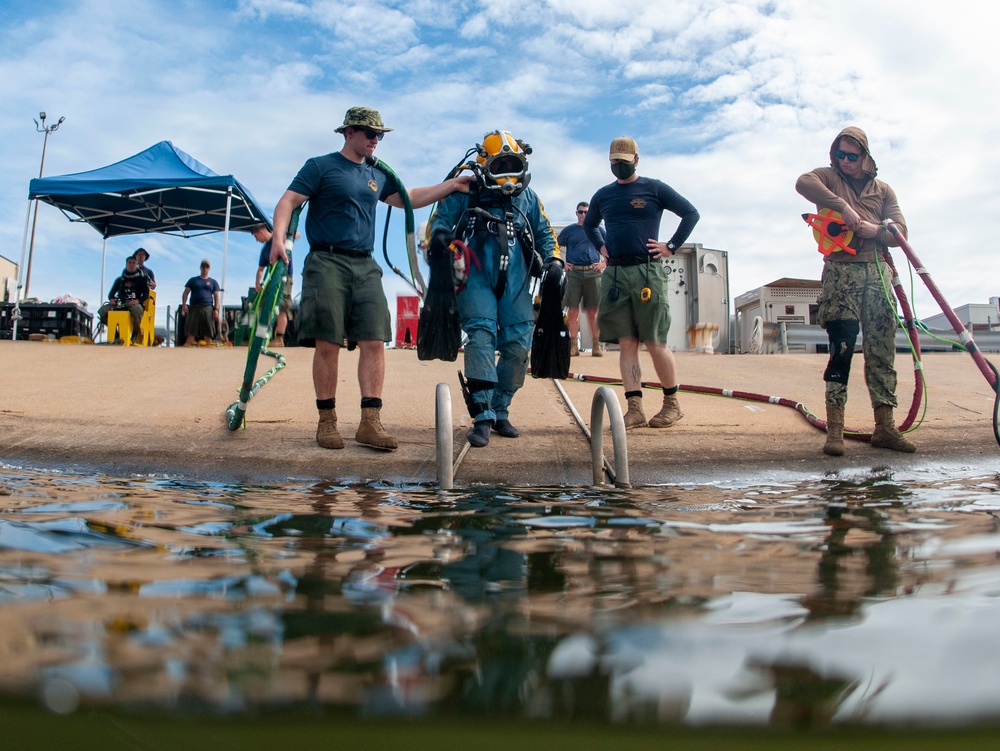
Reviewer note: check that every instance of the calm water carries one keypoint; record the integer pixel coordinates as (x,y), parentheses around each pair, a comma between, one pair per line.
(859,597)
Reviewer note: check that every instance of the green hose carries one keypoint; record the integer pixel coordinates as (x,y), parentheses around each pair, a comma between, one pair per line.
(416,277)
(264,312)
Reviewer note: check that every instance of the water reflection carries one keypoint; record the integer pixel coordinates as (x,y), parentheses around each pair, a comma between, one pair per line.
(868,598)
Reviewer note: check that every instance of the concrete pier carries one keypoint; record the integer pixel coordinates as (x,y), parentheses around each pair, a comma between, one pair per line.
(134,409)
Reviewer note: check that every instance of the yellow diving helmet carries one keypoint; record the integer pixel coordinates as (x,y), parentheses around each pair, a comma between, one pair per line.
(503,163)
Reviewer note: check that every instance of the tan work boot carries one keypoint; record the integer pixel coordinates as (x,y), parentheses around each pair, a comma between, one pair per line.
(278,340)
(886,436)
(834,445)
(326,432)
(371,433)
(635,418)
(574,349)
(597,351)
(669,413)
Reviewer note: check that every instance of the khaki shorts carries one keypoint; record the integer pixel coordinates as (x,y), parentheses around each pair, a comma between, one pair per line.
(582,286)
(623,314)
(342,299)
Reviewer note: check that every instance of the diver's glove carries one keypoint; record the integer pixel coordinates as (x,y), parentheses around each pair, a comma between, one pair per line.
(553,266)
(553,274)
(439,245)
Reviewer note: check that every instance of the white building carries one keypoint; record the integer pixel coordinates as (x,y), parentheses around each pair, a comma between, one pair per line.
(783,300)
(977,317)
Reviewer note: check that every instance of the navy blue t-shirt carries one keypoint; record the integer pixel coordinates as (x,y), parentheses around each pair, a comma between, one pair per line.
(579,250)
(265,255)
(632,213)
(343,197)
(202,290)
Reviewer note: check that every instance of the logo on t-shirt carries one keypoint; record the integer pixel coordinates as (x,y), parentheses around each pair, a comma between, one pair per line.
(373,185)
(638,203)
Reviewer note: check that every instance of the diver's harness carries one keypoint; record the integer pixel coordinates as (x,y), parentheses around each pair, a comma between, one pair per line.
(480,223)
(474,227)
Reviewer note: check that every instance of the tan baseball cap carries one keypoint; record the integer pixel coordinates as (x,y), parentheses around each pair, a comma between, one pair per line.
(625,148)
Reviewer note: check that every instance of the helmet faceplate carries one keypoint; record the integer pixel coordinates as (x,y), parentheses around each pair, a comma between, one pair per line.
(504,164)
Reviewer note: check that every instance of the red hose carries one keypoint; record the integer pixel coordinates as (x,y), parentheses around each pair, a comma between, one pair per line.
(963,334)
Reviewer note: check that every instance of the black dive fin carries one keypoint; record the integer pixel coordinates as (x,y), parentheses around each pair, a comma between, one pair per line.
(439,332)
(550,341)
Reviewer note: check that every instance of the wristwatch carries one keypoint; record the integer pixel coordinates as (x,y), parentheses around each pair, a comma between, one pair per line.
(671,247)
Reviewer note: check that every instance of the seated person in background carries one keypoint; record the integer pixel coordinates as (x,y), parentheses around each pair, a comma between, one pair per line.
(141,255)
(202,316)
(129,292)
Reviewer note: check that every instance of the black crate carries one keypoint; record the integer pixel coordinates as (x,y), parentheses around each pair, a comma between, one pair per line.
(50,319)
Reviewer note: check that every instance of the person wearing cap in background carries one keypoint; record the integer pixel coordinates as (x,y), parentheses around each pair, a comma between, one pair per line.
(141,255)
(203,314)
(262,234)
(634,305)
(584,265)
(852,299)
(342,295)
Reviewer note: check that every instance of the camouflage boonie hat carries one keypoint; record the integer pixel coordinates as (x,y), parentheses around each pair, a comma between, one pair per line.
(363,117)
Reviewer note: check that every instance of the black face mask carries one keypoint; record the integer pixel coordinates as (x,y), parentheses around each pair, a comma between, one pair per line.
(622,170)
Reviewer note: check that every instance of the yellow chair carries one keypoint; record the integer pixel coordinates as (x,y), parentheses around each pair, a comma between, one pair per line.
(120,326)
(148,321)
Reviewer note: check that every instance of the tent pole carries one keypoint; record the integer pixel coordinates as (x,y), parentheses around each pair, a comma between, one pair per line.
(104,264)
(20,273)
(225,253)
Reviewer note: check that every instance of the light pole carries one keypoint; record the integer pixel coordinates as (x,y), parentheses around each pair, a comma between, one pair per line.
(41,128)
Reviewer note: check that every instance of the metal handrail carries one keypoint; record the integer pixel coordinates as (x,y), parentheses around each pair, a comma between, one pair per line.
(445,439)
(606,397)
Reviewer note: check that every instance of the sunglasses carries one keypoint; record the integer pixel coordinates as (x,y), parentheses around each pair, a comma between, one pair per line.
(370,134)
(581,211)
(844,155)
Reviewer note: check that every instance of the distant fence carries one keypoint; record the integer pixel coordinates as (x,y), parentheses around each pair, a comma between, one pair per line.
(797,334)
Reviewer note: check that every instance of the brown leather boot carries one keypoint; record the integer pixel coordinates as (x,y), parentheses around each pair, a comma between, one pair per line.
(371,433)
(669,413)
(326,432)
(834,431)
(635,418)
(886,436)
(574,348)
(597,351)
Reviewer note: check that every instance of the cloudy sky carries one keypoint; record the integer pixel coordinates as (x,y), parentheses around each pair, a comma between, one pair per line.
(729,100)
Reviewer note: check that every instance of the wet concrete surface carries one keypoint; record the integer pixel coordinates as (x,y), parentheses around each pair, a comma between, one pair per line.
(131,409)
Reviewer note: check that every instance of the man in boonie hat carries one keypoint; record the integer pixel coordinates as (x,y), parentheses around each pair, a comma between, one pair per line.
(363,117)
(634,304)
(342,296)
(141,255)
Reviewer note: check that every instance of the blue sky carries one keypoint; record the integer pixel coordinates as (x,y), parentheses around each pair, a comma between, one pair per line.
(729,102)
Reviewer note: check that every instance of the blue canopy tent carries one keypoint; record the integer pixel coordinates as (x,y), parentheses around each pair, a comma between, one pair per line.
(161,189)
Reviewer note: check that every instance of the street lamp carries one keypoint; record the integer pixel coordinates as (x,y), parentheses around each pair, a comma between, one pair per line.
(41,128)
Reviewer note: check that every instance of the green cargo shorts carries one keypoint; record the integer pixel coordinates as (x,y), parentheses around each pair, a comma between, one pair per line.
(582,286)
(342,299)
(624,314)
